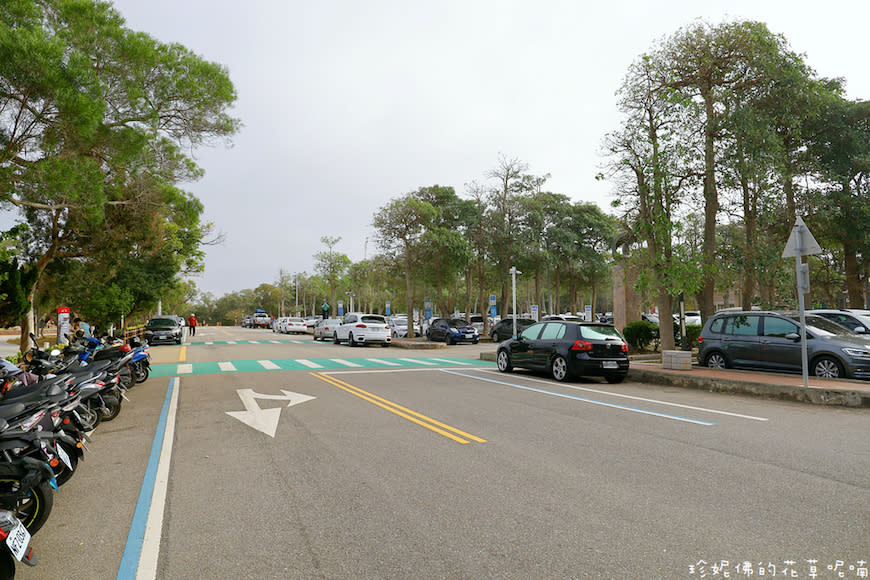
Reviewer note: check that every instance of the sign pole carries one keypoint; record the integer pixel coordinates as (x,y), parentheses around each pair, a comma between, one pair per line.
(802,243)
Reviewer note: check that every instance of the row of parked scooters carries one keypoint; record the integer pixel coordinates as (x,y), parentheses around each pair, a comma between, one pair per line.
(48,406)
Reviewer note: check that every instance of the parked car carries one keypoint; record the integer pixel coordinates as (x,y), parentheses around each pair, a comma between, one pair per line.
(567,349)
(452,330)
(247,320)
(569,317)
(504,329)
(261,320)
(163,329)
(311,322)
(853,319)
(326,328)
(294,325)
(476,320)
(358,328)
(398,326)
(277,323)
(771,341)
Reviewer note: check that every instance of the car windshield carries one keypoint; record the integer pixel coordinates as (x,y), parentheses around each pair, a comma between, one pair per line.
(295,320)
(162,322)
(373,319)
(457,322)
(823,326)
(600,333)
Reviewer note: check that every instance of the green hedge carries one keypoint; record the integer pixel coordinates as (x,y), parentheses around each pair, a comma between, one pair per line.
(640,334)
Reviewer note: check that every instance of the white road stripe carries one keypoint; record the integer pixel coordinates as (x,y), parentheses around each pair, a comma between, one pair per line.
(454,362)
(253,342)
(275,341)
(419,361)
(269,365)
(646,400)
(384,362)
(227,366)
(309,364)
(345,362)
(231,342)
(210,342)
(184,369)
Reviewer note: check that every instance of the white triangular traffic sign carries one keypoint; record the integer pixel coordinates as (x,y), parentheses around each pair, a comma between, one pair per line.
(801,241)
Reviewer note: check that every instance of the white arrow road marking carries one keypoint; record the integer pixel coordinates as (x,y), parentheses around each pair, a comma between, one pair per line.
(227,366)
(264,420)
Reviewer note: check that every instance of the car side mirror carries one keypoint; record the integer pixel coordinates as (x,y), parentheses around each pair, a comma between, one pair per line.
(860,330)
(793,336)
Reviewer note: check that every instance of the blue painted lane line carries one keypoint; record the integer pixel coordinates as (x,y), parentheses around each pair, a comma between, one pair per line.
(584,399)
(136,536)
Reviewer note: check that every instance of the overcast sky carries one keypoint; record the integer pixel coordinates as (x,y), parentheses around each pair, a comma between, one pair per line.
(348,104)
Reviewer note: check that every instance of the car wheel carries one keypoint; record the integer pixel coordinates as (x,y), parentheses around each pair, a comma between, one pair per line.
(335,339)
(614,379)
(504,361)
(716,360)
(828,368)
(449,339)
(559,368)
(350,341)
(494,337)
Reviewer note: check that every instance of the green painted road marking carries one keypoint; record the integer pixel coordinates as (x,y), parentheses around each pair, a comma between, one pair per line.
(290,364)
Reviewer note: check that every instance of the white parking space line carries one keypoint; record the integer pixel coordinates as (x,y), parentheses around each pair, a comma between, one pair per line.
(383,362)
(253,342)
(583,399)
(227,366)
(418,361)
(268,365)
(454,362)
(184,369)
(209,342)
(346,363)
(308,363)
(647,400)
(231,342)
(275,341)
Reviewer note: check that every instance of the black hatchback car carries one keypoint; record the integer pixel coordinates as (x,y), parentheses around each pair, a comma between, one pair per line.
(567,349)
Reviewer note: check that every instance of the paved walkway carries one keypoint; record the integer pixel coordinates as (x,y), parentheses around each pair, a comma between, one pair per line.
(852,393)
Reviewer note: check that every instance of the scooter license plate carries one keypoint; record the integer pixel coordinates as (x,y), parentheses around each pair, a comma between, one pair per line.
(64,457)
(18,540)
(610,364)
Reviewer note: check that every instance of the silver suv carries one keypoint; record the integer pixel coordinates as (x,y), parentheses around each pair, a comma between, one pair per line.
(771,341)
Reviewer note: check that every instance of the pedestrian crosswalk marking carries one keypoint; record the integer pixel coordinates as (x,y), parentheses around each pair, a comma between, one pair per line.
(308,363)
(418,361)
(448,361)
(298,364)
(384,362)
(341,361)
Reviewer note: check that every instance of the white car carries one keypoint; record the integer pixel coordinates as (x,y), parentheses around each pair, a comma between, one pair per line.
(293,325)
(360,329)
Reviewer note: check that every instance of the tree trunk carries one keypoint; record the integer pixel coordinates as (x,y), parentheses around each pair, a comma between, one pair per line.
(711,208)
(666,320)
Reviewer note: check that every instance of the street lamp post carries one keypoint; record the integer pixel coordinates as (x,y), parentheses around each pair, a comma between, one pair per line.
(514,273)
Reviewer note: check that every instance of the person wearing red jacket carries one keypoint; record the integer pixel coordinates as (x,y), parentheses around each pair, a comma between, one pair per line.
(191,322)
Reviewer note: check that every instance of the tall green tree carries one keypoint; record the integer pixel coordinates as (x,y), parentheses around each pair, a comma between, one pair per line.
(332,267)
(96,120)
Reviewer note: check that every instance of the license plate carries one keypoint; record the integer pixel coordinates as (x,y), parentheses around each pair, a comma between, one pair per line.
(18,540)
(469,336)
(610,364)
(64,457)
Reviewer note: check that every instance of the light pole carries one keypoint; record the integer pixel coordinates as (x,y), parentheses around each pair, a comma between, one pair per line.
(514,273)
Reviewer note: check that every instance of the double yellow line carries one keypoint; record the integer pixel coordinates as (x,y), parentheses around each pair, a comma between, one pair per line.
(433,425)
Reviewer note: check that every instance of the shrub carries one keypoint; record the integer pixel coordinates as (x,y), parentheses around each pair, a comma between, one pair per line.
(640,334)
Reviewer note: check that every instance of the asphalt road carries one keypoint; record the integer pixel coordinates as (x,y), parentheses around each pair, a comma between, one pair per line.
(441,467)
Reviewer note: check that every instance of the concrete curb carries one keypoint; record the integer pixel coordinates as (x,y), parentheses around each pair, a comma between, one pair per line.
(416,345)
(845,396)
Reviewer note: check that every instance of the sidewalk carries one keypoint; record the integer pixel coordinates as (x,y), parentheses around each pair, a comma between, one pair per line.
(843,392)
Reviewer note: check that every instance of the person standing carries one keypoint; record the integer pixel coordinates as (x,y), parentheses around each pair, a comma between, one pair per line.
(191,322)
(325,309)
(79,324)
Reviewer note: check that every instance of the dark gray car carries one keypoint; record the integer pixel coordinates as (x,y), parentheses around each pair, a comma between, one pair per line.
(771,341)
